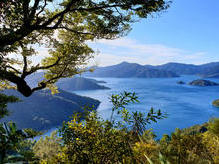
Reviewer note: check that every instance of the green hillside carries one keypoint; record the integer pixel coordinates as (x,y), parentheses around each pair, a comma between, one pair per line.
(43,111)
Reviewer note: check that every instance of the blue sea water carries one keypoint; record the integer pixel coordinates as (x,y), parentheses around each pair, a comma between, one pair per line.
(185,105)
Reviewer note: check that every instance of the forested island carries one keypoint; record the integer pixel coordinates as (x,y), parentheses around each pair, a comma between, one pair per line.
(216,103)
(203,83)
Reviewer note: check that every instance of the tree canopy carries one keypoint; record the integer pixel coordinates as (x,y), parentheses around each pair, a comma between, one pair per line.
(64,27)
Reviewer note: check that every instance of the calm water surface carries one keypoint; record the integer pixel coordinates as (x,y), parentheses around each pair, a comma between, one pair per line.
(185,105)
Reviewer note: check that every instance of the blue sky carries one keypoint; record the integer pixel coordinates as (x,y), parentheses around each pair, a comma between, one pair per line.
(188,32)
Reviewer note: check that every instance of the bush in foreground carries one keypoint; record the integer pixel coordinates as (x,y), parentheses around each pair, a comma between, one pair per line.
(93,140)
(89,139)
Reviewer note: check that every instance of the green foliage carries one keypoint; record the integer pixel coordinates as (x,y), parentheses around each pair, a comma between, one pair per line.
(120,102)
(214,126)
(46,149)
(88,138)
(137,120)
(64,30)
(31,133)
(10,138)
(4,100)
(185,148)
(211,141)
(162,159)
(13,144)
(94,141)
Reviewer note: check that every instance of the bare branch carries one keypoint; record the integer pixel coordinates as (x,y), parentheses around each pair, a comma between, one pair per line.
(42,9)
(34,69)
(98,7)
(34,8)
(24,67)
(60,15)
(26,12)
(22,86)
(41,86)
(71,30)
(8,66)
(11,38)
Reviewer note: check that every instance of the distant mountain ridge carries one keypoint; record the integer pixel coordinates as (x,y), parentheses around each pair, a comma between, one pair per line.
(125,69)
(203,70)
(179,68)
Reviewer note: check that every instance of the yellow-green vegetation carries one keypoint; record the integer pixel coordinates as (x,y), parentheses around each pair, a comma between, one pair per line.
(13,144)
(94,140)
(47,149)
(89,139)
(216,103)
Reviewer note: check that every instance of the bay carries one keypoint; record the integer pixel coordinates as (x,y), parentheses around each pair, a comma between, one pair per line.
(185,105)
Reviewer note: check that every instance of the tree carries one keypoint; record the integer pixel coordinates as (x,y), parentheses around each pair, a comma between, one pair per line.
(64,27)
(4,100)
(9,135)
(87,138)
(13,144)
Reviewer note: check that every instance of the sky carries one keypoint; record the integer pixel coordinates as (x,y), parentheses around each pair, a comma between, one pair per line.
(188,32)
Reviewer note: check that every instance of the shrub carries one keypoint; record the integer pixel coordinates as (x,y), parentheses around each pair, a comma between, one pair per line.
(89,139)
(46,149)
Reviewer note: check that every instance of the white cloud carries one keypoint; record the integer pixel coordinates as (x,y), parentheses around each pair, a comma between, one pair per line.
(125,49)
(153,49)
(109,59)
(41,54)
